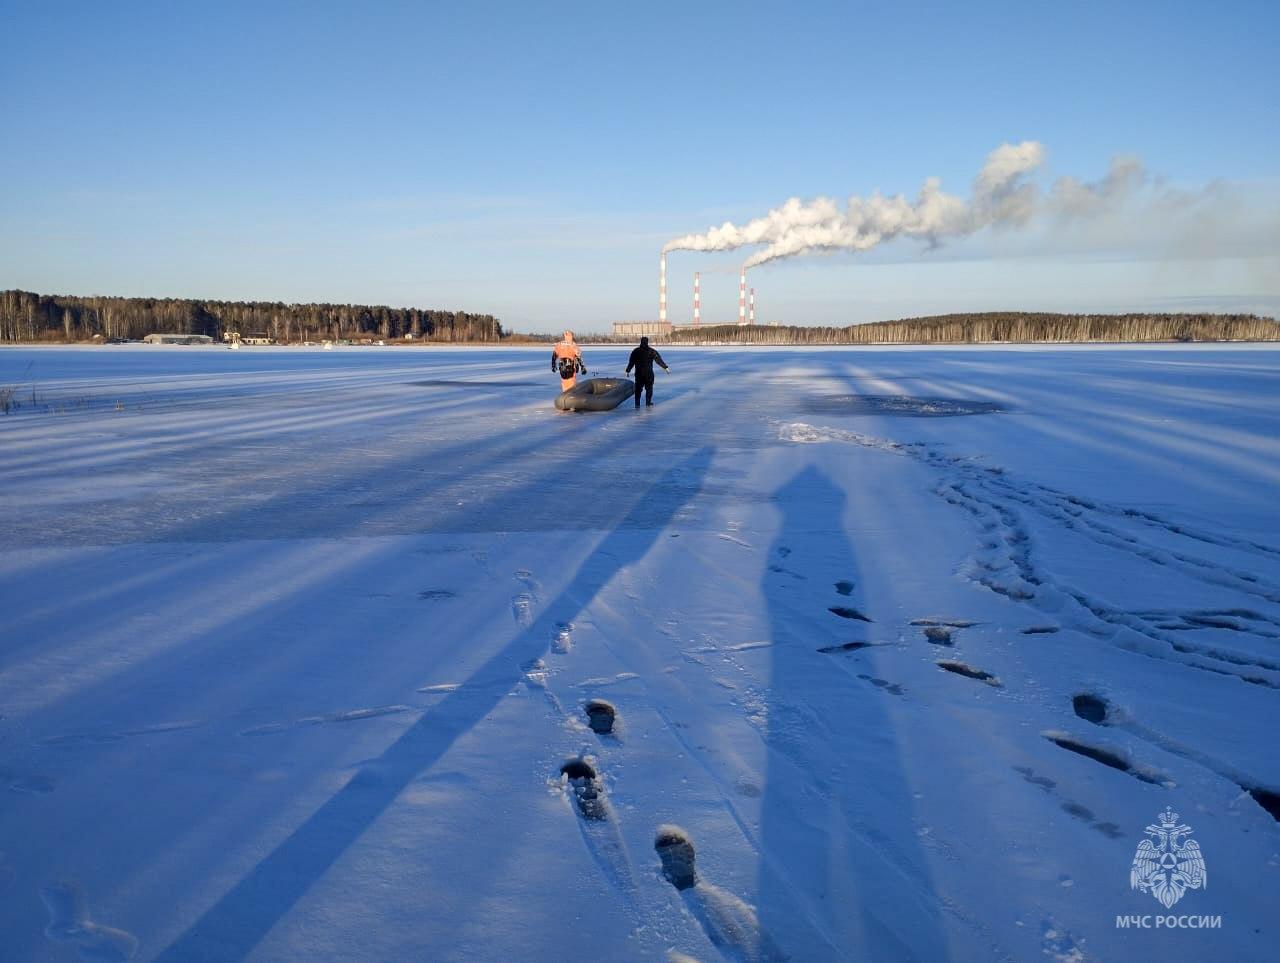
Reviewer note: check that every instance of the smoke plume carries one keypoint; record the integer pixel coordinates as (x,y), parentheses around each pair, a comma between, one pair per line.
(1001,195)
(1071,198)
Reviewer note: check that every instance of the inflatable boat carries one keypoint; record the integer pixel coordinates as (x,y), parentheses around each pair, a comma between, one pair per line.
(596,394)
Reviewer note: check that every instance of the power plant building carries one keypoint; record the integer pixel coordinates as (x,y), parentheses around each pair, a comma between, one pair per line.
(634,329)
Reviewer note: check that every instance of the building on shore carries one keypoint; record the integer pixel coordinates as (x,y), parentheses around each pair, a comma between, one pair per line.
(634,329)
(178,339)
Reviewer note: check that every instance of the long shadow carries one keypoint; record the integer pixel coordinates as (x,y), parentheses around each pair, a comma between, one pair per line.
(313,501)
(410,489)
(409,483)
(244,915)
(836,815)
(503,508)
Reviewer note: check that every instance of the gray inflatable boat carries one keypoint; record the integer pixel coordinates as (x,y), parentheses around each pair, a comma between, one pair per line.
(596,394)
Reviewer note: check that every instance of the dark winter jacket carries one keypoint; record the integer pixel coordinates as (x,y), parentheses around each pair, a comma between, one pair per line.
(642,359)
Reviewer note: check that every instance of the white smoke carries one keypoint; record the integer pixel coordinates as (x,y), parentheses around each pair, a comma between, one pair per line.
(795,213)
(1001,196)
(1071,198)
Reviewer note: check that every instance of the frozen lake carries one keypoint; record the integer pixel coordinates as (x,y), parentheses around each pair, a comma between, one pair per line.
(914,645)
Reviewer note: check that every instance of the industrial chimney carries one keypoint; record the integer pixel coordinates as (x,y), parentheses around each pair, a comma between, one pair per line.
(751,307)
(697,297)
(742,297)
(662,291)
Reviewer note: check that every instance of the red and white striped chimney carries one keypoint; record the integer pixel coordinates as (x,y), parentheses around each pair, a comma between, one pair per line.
(662,291)
(697,297)
(742,297)
(751,307)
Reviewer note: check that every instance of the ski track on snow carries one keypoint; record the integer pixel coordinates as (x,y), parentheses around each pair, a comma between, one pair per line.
(1005,563)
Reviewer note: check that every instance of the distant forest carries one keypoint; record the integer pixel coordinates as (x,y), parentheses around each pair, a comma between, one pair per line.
(25,316)
(1008,326)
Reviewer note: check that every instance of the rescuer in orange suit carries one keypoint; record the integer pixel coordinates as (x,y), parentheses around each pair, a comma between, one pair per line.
(567,359)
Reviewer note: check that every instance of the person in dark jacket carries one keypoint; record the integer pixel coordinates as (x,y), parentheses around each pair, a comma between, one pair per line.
(642,359)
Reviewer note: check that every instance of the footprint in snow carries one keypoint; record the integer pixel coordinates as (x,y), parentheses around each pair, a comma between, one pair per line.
(845,647)
(1096,709)
(69,923)
(949,623)
(1266,798)
(1109,758)
(847,612)
(675,849)
(745,787)
(1029,774)
(562,642)
(436,595)
(885,684)
(783,570)
(728,922)
(969,672)
(938,635)
(522,610)
(844,587)
(522,603)
(601,716)
(582,783)
(1073,809)
(941,631)
(1090,708)
(535,673)
(1084,815)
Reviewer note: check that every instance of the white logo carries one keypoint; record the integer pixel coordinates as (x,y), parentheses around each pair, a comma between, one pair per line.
(1164,865)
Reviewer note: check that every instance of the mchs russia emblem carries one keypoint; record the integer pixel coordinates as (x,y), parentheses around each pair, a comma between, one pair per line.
(1167,864)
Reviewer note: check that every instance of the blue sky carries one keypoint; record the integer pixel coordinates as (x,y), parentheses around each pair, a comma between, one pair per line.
(531,159)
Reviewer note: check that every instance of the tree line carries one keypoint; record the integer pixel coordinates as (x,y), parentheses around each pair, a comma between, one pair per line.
(1006,326)
(25,316)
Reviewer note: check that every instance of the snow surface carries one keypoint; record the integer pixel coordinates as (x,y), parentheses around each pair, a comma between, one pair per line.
(296,642)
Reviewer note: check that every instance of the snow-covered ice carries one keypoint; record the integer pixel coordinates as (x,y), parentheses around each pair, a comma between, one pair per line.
(909,646)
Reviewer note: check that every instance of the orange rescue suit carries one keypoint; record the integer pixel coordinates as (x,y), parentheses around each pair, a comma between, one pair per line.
(567,351)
